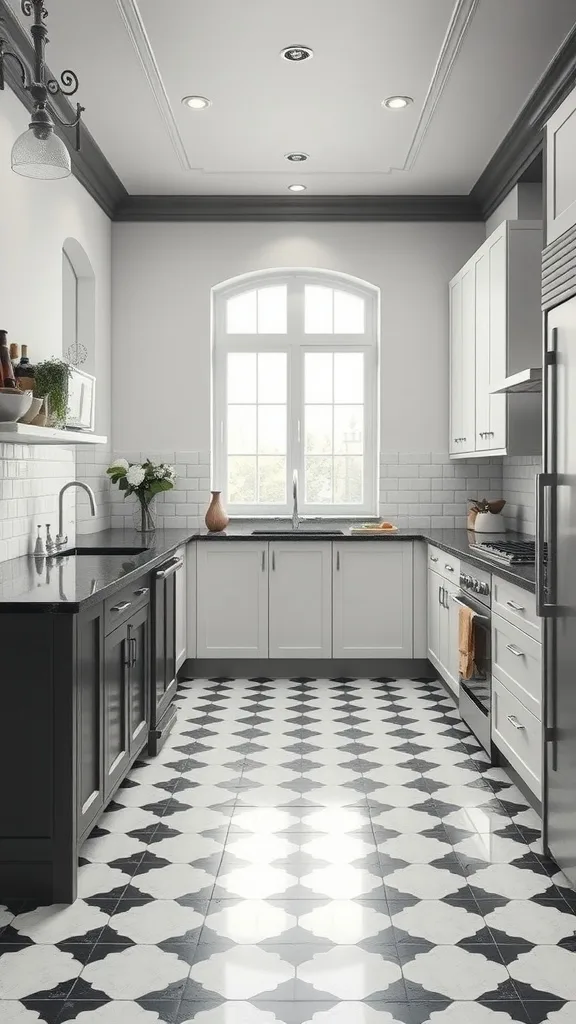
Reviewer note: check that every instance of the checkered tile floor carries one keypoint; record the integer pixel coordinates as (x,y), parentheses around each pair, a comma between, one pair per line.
(305,850)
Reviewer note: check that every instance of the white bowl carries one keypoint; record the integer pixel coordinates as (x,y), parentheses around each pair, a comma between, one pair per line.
(33,411)
(14,404)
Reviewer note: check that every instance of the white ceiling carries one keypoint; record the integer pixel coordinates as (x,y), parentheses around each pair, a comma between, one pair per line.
(470,65)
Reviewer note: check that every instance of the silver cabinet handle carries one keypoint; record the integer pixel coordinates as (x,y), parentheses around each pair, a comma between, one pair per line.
(514,721)
(141,592)
(449,568)
(433,558)
(162,574)
(121,607)
(515,650)
(273,561)
(440,589)
(263,560)
(516,607)
(338,561)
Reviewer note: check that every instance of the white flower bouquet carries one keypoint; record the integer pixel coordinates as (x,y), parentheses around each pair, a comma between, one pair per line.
(143,480)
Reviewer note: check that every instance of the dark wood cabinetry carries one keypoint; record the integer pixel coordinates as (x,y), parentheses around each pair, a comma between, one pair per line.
(116,710)
(139,681)
(90,733)
(164,653)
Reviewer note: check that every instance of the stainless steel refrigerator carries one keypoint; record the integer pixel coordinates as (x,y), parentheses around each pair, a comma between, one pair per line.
(556,561)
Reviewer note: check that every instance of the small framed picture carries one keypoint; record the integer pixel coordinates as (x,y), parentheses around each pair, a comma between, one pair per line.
(81,399)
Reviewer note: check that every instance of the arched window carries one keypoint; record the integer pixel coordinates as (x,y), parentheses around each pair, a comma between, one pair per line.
(295,388)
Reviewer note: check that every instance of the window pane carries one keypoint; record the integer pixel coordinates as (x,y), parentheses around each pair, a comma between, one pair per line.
(272,429)
(242,479)
(272,306)
(272,373)
(348,313)
(349,377)
(242,429)
(318,471)
(318,318)
(348,429)
(319,428)
(272,480)
(317,377)
(348,480)
(241,313)
(242,377)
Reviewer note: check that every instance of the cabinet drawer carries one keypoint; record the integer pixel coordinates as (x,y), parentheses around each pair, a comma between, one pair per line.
(127,601)
(518,734)
(516,605)
(448,566)
(517,661)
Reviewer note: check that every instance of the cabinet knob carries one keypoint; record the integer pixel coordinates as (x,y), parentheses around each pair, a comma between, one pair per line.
(433,558)
(141,592)
(449,568)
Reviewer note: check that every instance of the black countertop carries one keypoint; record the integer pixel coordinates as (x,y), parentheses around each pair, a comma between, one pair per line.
(71,582)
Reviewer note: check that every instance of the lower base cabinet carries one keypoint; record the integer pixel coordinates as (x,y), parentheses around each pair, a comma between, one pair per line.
(232,614)
(300,600)
(89,716)
(443,619)
(116,732)
(373,614)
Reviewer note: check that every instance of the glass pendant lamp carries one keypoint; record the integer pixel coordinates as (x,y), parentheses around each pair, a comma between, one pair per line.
(39,153)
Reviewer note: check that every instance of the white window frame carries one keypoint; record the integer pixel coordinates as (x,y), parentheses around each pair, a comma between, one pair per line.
(296,343)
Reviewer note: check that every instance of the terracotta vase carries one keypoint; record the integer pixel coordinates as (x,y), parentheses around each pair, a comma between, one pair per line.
(216,518)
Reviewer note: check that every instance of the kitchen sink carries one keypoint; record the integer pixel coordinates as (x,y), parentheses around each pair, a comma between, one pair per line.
(282,534)
(100,551)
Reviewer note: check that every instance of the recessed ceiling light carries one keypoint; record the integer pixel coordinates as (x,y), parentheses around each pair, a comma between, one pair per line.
(296,158)
(297,188)
(196,102)
(296,53)
(397,102)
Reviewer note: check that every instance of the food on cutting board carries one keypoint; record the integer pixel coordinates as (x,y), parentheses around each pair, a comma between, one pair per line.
(384,527)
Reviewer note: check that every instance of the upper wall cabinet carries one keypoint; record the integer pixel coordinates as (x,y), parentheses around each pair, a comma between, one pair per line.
(561,170)
(495,331)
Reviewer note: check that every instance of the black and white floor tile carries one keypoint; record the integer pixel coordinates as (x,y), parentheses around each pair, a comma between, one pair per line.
(305,851)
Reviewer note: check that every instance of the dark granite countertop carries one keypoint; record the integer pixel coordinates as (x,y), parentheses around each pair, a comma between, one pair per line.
(69,582)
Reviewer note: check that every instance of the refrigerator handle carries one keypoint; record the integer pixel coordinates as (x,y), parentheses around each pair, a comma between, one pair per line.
(545,567)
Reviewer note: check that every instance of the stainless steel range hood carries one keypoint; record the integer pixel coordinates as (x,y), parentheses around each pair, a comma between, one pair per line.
(525,382)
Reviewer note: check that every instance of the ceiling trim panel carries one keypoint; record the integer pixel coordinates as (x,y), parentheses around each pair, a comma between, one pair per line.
(136,29)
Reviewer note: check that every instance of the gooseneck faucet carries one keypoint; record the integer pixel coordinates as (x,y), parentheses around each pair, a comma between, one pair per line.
(295,516)
(62,539)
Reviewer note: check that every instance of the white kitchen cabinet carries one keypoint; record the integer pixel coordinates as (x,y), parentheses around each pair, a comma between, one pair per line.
(372,599)
(561,170)
(191,584)
(232,614)
(181,595)
(300,599)
(443,628)
(495,331)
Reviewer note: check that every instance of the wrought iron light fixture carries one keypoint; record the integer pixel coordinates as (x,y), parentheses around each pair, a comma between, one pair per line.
(39,152)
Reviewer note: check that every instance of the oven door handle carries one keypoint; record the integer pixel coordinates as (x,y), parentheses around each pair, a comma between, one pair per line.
(483,618)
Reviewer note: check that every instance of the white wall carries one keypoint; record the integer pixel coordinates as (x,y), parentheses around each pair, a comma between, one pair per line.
(162,277)
(35,219)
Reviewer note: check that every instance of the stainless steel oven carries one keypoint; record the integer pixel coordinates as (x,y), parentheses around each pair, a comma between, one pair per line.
(475,694)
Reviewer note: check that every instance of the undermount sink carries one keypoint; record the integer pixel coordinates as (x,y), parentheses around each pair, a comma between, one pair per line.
(272,534)
(100,551)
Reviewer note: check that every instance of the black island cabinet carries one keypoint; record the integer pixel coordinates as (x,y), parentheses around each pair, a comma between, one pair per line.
(76,707)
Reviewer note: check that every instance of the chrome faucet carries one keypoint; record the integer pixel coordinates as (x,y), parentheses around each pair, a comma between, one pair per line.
(62,539)
(295,516)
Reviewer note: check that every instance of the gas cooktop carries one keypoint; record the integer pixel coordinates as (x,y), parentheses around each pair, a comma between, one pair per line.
(507,552)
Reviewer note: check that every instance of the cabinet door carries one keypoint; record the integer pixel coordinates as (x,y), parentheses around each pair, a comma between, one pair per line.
(181,589)
(498,338)
(435,584)
(232,612)
(138,639)
(372,599)
(483,320)
(116,724)
(300,599)
(561,169)
(449,641)
(90,750)
(468,358)
(456,424)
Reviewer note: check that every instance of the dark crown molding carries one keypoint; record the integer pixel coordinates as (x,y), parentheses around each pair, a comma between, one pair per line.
(298,208)
(512,158)
(89,166)
(525,139)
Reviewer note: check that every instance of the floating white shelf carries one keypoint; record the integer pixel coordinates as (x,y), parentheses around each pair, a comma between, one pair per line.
(25,433)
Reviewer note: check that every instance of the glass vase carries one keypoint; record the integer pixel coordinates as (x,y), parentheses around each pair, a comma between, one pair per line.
(144,520)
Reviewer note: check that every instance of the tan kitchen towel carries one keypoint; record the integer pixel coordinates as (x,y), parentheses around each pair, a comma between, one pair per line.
(466,644)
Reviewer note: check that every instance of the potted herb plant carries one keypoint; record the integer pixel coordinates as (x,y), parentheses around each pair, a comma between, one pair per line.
(143,480)
(51,379)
